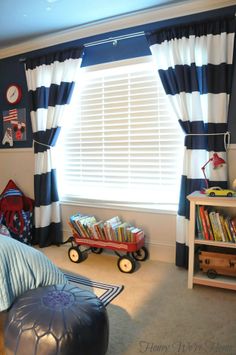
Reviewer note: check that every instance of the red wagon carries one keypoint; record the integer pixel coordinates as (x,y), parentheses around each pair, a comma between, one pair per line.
(128,252)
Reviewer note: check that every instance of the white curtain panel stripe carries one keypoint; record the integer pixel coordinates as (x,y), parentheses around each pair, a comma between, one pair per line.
(210,108)
(193,170)
(185,51)
(45,162)
(46,75)
(45,215)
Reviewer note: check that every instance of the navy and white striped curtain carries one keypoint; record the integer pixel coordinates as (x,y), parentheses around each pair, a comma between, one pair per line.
(50,80)
(195,66)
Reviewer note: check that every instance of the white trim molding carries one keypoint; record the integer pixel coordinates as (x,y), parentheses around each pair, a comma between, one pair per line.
(170,209)
(155,14)
(17,150)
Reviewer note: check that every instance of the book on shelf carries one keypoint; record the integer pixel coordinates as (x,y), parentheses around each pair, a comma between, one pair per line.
(204,224)
(223,237)
(213,225)
(208,224)
(227,227)
(233,222)
(199,227)
(233,236)
(222,220)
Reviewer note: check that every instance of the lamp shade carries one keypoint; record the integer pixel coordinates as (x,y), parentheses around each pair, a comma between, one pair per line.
(217,161)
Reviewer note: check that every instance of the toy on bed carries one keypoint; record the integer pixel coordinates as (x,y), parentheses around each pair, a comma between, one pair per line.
(23,268)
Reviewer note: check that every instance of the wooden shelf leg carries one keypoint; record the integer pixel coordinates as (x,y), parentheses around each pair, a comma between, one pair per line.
(191,244)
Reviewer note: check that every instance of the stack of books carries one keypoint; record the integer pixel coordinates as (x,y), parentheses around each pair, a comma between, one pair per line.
(213,225)
(111,230)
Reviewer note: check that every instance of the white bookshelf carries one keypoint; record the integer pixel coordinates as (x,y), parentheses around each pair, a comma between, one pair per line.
(197,198)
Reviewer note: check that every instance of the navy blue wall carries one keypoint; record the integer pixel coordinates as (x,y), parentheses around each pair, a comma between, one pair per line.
(12,69)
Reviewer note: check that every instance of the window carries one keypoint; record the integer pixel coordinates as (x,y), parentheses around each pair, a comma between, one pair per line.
(120,143)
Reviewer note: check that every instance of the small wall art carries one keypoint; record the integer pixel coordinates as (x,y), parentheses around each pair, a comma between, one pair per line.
(14,126)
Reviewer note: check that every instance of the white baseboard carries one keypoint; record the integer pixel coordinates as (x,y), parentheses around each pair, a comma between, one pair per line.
(162,252)
(157,251)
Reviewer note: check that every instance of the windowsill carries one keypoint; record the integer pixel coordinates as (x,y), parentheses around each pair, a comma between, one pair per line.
(149,208)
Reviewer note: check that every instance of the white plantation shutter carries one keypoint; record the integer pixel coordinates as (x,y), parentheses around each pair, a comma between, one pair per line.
(122,144)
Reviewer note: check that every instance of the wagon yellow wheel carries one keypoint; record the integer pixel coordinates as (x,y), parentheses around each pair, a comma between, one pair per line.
(126,264)
(75,255)
(141,254)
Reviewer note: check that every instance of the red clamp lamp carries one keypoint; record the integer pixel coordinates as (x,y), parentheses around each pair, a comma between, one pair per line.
(217,161)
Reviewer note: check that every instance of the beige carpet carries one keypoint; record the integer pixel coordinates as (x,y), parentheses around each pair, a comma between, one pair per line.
(156,313)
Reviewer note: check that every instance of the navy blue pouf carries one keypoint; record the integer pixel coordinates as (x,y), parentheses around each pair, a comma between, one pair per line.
(57,320)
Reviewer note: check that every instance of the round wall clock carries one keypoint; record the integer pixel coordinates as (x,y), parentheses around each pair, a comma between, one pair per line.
(13,94)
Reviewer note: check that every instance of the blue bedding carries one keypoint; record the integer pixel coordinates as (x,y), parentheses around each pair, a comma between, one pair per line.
(22,268)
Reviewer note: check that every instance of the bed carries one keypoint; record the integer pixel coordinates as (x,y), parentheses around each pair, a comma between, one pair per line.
(22,267)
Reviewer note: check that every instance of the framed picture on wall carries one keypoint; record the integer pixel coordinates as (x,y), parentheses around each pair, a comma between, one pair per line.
(14,126)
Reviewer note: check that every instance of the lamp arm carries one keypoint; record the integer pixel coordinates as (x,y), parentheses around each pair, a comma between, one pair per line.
(203,167)
(206,181)
(203,170)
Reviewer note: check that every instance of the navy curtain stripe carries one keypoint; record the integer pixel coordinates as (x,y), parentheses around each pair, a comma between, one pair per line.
(201,127)
(215,27)
(43,97)
(47,138)
(209,143)
(205,79)
(47,183)
(181,255)
(42,233)
(32,63)
(186,187)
